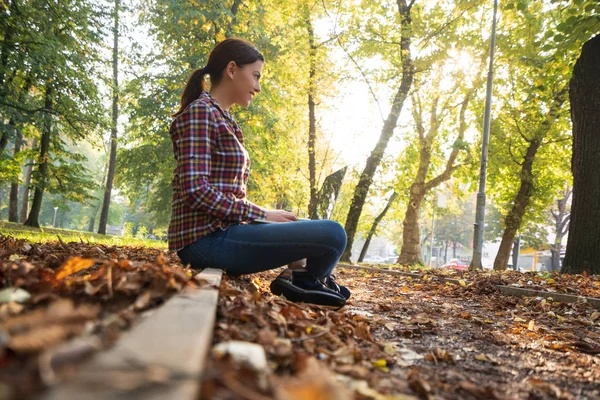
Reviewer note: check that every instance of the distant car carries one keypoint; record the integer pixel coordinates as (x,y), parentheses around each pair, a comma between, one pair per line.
(456,264)
(374,260)
(391,260)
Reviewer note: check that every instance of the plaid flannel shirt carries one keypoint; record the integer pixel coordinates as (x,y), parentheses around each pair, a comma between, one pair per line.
(209,183)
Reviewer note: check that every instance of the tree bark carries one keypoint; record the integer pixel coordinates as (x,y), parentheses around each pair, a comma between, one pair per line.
(36,206)
(410,252)
(373,229)
(13,201)
(312,125)
(583,244)
(366,177)
(113,135)
(514,218)
(26,183)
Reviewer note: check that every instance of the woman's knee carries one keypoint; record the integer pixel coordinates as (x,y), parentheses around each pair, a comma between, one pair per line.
(335,234)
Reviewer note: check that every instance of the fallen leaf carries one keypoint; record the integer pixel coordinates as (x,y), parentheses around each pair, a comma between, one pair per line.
(72,266)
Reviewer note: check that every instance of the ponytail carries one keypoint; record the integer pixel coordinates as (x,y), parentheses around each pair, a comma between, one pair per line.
(192,90)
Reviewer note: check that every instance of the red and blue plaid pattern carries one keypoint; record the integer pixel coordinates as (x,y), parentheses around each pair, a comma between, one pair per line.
(209,183)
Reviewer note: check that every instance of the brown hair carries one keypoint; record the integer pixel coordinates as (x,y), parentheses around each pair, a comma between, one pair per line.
(240,51)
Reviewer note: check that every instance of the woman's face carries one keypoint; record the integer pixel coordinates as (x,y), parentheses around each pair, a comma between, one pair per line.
(246,82)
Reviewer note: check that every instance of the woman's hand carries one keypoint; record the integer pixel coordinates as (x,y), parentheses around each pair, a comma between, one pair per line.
(281,216)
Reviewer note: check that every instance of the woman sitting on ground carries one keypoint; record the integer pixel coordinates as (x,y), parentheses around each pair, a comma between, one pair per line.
(211,223)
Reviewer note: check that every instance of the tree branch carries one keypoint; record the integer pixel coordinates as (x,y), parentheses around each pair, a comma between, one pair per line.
(364,76)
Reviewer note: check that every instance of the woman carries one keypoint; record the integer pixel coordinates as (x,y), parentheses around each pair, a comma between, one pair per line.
(211,224)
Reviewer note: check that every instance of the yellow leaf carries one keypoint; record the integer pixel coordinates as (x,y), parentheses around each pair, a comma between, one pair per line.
(481,357)
(379,363)
(308,329)
(550,281)
(531,325)
(73,265)
(462,283)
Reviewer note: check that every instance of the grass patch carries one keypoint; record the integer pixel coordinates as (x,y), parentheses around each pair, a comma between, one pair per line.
(47,234)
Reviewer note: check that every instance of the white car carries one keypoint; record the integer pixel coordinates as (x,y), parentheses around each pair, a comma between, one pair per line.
(391,260)
(374,260)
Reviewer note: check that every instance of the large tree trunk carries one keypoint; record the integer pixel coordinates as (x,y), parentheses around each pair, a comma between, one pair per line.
(312,124)
(366,178)
(26,183)
(373,229)
(113,135)
(512,222)
(583,245)
(36,206)
(13,202)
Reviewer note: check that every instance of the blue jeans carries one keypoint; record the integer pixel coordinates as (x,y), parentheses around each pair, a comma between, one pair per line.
(246,249)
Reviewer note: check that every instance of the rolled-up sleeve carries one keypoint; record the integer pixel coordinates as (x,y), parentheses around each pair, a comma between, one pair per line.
(193,151)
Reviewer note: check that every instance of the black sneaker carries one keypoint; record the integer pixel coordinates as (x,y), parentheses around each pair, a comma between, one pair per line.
(331,283)
(302,286)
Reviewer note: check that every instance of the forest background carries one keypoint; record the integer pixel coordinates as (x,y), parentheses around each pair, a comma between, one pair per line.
(393,90)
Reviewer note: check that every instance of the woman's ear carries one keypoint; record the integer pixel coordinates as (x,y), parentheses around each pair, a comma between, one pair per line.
(230,69)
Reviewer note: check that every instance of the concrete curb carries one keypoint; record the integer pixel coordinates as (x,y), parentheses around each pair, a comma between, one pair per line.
(162,357)
(507,290)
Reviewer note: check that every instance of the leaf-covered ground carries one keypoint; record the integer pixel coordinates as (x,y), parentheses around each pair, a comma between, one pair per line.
(398,337)
(75,290)
(404,338)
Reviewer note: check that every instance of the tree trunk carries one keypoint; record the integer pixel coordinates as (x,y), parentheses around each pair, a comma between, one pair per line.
(561,226)
(513,219)
(1,197)
(366,178)
(583,244)
(446,251)
(512,222)
(26,183)
(13,202)
(410,252)
(374,226)
(312,125)
(234,10)
(113,135)
(36,206)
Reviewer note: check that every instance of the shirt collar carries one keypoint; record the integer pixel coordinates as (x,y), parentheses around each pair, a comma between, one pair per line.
(215,103)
